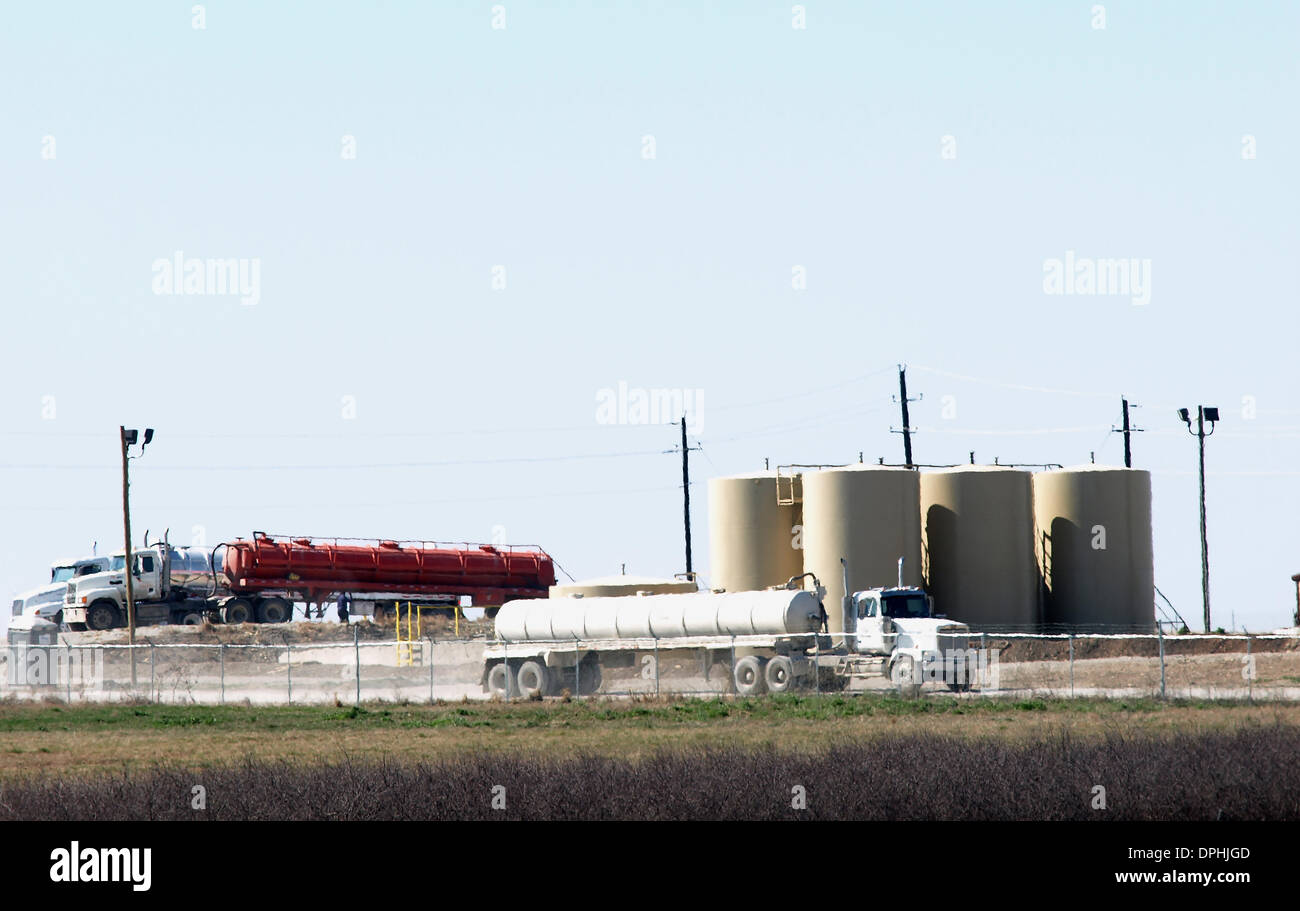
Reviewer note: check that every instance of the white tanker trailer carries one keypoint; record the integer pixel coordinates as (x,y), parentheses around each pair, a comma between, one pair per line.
(767,641)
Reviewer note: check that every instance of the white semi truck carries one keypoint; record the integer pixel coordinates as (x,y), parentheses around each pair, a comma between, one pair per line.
(46,602)
(169,585)
(766,641)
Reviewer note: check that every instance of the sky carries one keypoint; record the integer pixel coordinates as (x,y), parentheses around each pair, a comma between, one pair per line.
(463,225)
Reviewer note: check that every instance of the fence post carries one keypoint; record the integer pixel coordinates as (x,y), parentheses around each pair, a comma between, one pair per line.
(1071,665)
(288,662)
(1160,633)
(430,641)
(505,661)
(67,671)
(577,669)
(153,691)
(656,665)
(732,669)
(817,664)
(222,647)
(356,652)
(1250,673)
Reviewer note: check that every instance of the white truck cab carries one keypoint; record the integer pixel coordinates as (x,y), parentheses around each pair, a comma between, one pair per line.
(900,625)
(47,601)
(98,600)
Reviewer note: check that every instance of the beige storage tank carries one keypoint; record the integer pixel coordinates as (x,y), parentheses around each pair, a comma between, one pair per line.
(1093,542)
(868,514)
(752,537)
(620,586)
(977,546)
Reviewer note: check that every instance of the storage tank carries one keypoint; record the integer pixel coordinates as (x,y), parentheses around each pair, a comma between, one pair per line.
(977,546)
(773,613)
(1093,542)
(870,515)
(752,536)
(616,586)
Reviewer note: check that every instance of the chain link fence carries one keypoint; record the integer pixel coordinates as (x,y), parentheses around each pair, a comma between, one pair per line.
(1239,667)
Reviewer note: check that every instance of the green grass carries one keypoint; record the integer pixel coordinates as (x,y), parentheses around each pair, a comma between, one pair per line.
(16,717)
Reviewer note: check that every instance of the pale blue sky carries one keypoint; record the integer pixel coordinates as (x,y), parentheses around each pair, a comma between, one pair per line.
(522,147)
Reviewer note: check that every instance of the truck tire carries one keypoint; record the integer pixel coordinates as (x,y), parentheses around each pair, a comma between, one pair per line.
(500,680)
(779,675)
(749,676)
(103,615)
(902,672)
(533,680)
(192,618)
(274,610)
(238,610)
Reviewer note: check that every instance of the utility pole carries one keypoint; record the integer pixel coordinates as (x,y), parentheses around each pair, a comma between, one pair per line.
(1127,430)
(907,422)
(1203,414)
(126,533)
(685,450)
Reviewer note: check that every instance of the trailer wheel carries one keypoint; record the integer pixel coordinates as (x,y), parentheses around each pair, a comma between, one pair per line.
(238,611)
(103,615)
(779,674)
(274,610)
(533,680)
(749,676)
(903,674)
(500,680)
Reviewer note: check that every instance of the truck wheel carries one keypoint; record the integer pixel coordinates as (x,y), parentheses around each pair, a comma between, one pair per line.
(102,615)
(749,676)
(238,611)
(903,674)
(533,680)
(779,675)
(498,679)
(192,618)
(274,610)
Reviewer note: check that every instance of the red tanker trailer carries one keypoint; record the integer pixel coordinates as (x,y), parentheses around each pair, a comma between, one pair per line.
(259,580)
(316,570)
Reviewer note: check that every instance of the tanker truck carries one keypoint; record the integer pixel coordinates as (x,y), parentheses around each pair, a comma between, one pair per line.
(259,580)
(773,640)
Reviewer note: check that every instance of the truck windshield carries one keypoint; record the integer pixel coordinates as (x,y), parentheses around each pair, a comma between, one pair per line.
(62,573)
(907,606)
(118,564)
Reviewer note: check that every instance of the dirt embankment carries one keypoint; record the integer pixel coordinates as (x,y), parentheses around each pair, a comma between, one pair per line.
(299,633)
(1085,648)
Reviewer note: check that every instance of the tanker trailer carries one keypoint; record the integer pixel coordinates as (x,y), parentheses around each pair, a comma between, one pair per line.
(773,641)
(259,580)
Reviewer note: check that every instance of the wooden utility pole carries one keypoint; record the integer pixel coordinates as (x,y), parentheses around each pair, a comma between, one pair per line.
(1128,430)
(907,421)
(686,493)
(126,534)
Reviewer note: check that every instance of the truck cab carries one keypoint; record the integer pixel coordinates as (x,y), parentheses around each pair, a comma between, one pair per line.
(47,601)
(98,600)
(900,624)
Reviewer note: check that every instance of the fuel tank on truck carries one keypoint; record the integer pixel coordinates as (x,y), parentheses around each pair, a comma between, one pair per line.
(770,613)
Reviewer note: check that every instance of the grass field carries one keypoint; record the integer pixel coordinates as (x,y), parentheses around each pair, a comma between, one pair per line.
(54,739)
